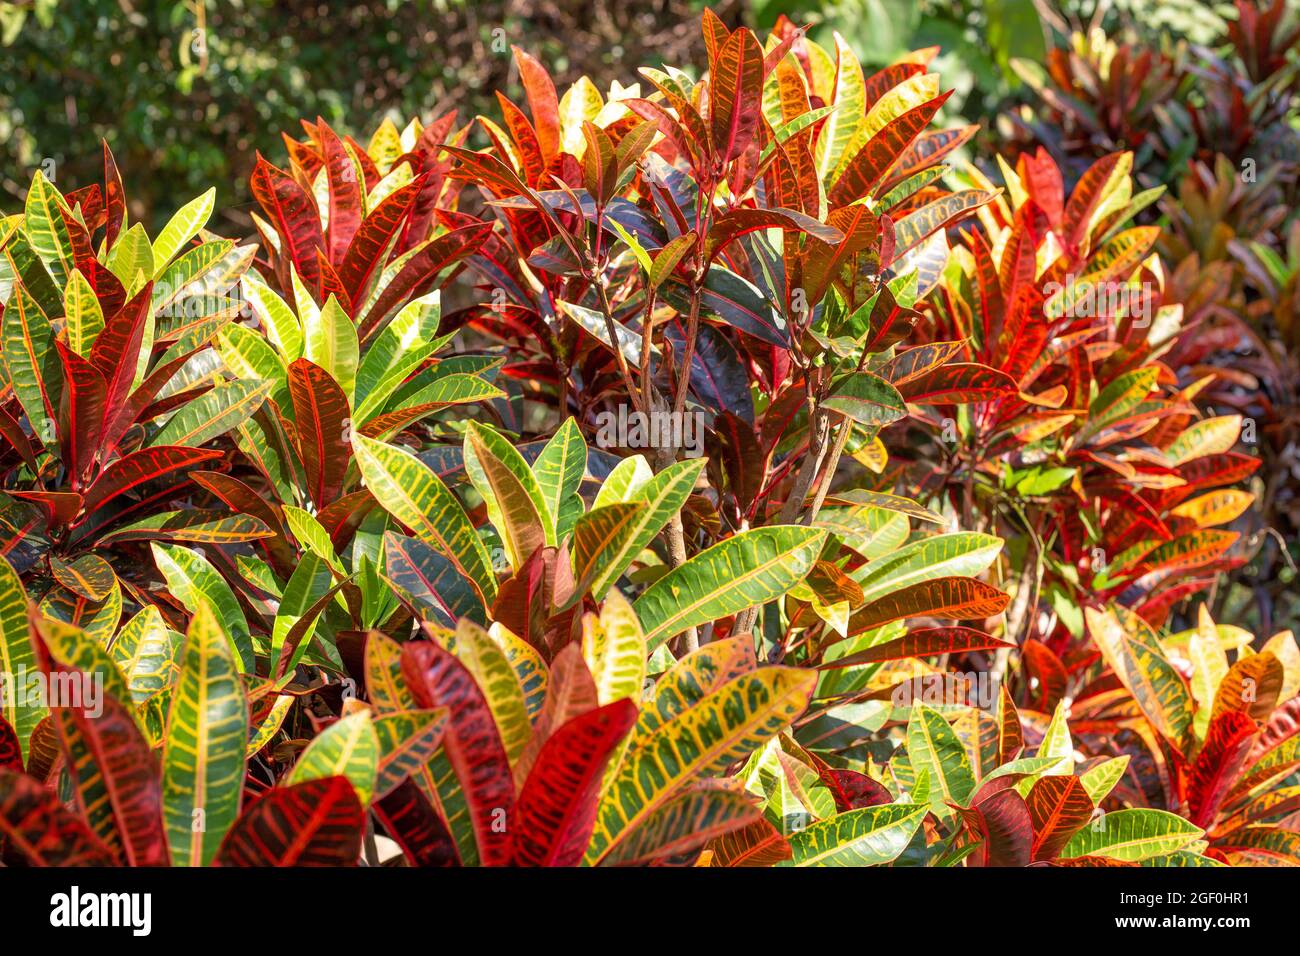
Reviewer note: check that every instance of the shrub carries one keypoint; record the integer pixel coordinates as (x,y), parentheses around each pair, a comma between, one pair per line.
(403,589)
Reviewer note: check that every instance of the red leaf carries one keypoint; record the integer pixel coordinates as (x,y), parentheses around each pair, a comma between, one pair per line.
(37,830)
(866,171)
(1059,805)
(1227,745)
(1087,193)
(411,820)
(557,805)
(958,383)
(542,102)
(293,214)
(118,422)
(116,351)
(142,466)
(471,742)
(1008,829)
(82,414)
(423,268)
(853,790)
(238,496)
(1042,665)
(372,240)
(115,777)
(345,194)
(11,752)
(735,95)
(114,197)
(317,823)
(321,414)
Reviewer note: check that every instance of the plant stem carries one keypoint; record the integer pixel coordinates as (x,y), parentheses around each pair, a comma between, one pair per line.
(612,331)
(688,353)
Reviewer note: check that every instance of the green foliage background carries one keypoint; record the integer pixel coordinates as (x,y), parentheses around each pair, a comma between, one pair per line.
(187,92)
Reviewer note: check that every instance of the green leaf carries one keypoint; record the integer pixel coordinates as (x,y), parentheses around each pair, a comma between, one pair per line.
(35,371)
(331,343)
(194,582)
(404,343)
(743,571)
(203,753)
(224,408)
(73,647)
(84,315)
(311,580)
(599,537)
(933,745)
(132,258)
(614,649)
(249,356)
(559,470)
(704,739)
(625,478)
(46,229)
(181,228)
(943,555)
(871,836)
(349,747)
(1132,835)
(842,126)
(867,399)
(1116,400)
(148,653)
(515,505)
(17,657)
(663,496)
(407,742)
(1101,779)
(870,531)
(410,491)
(282,326)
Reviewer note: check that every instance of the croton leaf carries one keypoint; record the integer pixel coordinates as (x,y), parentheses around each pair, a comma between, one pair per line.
(203,753)
(314,823)
(746,570)
(38,830)
(557,805)
(870,836)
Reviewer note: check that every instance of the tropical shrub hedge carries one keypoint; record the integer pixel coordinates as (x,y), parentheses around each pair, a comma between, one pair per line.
(711,472)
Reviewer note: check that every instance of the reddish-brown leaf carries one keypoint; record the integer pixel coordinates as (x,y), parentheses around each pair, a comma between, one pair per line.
(141,466)
(36,829)
(115,778)
(320,410)
(950,598)
(1059,805)
(923,643)
(735,95)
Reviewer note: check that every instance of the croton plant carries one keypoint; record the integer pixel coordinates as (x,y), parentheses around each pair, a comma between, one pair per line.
(381,538)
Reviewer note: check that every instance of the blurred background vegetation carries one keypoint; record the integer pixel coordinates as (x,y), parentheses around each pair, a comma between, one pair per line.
(1205,93)
(186,92)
